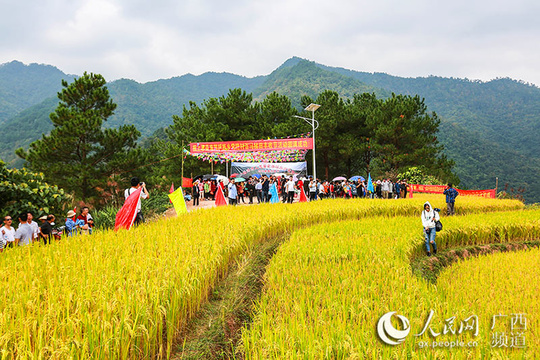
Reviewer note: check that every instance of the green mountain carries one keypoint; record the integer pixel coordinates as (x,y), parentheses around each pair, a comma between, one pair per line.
(503,111)
(22,86)
(491,129)
(479,162)
(149,106)
(298,78)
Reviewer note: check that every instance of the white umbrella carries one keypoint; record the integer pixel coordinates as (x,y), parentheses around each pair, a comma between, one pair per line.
(222,179)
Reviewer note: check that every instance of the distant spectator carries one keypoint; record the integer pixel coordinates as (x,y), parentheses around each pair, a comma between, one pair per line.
(378,189)
(47,229)
(86,219)
(233,193)
(290,190)
(25,233)
(135,185)
(8,233)
(451,195)
(403,189)
(258,190)
(312,186)
(265,188)
(206,188)
(397,186)
(33,225)
(71,226)
(196,193)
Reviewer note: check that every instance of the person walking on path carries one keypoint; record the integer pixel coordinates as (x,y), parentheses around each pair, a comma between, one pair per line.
(290,190)
(196,193)
(451,195)
(429,217)
(233,193)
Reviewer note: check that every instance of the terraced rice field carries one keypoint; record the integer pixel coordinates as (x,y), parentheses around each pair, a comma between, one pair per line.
(342,266)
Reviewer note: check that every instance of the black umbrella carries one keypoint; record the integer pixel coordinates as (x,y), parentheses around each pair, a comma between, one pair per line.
(204,177)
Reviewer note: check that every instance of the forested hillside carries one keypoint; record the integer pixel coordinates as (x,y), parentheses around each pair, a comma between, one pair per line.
(149,106)
(491,129)
(503,111)
(22,86)
(307,79)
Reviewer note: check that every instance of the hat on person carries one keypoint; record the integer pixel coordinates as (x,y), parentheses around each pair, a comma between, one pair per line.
(70,213)
(44,217)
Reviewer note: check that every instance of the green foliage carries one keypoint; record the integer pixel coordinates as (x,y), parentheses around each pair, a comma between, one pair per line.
(490,129)
(78,154)
(305,78)
(418,175)
(154,206)
(379,136)
(22,190)
(352,137)
(227,118)
(479,162)
(105,217)
(22,86)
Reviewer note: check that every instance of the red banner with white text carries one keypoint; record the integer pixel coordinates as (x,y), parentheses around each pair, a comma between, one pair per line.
(439,189)
(251,145)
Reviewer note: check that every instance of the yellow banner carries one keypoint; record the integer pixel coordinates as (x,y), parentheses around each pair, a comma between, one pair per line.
(177,198)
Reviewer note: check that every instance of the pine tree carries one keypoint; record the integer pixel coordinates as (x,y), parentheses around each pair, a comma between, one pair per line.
(79,154)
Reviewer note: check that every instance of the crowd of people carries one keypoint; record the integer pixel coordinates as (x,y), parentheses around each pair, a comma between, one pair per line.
(264,189)
(28,231)
(288,189)
(271,188)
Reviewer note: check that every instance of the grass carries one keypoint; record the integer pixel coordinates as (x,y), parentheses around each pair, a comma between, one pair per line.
(329,284)
(215,331)
(429,268)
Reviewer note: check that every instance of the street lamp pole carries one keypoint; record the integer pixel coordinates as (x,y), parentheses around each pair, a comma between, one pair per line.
(312,107)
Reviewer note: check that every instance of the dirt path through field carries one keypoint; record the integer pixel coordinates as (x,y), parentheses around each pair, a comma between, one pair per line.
(215,331)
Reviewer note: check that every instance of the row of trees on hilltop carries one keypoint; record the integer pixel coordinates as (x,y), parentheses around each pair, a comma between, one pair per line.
(356,136)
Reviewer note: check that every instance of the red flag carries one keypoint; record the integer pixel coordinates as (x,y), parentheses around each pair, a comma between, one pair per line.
(303,197)
(75,211)
(126,215)
(187,182)
(171,191)
(220,198)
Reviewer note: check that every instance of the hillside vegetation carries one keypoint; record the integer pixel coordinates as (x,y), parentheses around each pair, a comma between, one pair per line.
(490,129)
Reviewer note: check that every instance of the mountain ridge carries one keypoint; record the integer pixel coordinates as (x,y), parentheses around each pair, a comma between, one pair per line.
(503,115)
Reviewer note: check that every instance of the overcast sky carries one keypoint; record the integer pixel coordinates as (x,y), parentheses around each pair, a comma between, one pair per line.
(150,40)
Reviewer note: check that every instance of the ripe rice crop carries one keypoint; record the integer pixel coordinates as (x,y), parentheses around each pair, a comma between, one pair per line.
(125,295)
(327,287)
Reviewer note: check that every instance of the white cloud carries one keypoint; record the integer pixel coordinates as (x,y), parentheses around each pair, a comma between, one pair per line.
(149,40)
